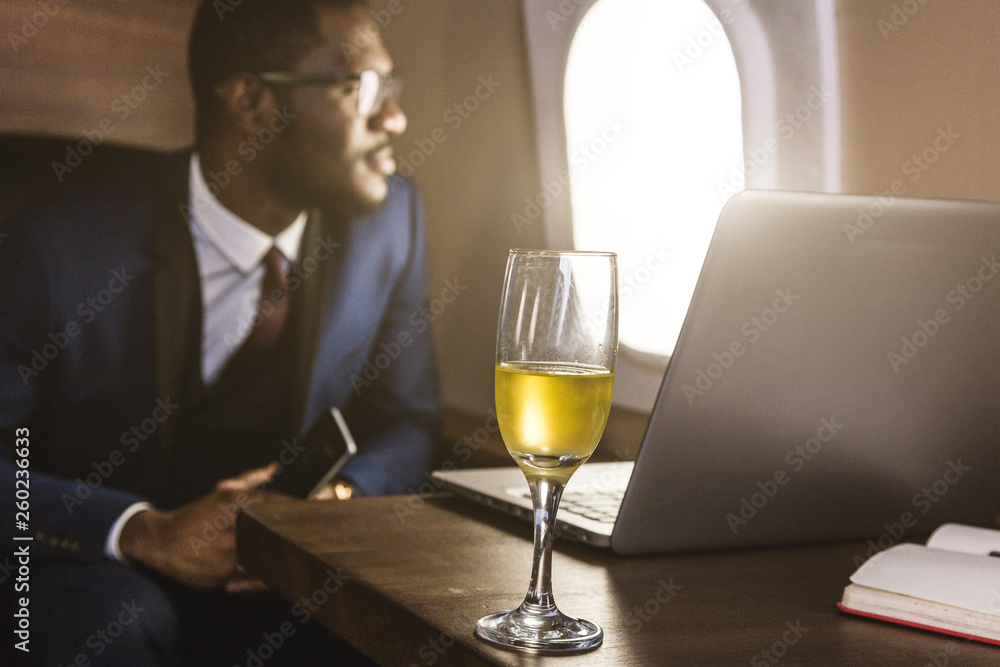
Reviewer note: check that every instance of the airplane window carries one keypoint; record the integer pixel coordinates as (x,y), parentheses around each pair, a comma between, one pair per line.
(655,146)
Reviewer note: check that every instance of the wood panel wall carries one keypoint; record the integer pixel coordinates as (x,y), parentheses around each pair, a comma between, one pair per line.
(81,65)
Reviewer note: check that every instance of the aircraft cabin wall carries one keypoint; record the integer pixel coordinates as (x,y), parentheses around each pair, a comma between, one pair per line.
(933,73)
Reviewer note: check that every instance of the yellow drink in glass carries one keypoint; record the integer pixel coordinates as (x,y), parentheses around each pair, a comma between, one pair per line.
(552,415)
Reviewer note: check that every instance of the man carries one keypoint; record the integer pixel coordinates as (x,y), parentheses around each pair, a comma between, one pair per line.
(164,338)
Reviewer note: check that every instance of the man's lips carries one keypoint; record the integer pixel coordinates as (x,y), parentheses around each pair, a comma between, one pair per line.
(381,160)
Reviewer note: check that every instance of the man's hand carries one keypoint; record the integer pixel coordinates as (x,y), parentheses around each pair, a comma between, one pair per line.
(251,480)
(338,489)
(196,543)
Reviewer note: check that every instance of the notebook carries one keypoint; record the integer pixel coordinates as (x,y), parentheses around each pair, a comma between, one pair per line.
(837,376)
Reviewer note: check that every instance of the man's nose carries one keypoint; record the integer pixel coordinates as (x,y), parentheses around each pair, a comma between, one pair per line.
(390,118)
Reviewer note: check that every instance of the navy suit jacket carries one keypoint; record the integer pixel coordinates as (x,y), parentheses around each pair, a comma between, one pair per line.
(95,293)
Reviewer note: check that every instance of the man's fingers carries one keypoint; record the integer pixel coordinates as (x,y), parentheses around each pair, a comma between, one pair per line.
(249,480)
(241,583)
(245,586)
(326,493)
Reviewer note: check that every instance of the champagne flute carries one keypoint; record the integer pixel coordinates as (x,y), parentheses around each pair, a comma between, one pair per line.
(557,343)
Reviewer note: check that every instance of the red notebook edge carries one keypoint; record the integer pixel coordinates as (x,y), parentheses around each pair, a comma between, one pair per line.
(919,626)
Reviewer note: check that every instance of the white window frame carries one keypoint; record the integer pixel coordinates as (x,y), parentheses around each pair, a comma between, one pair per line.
(783,51)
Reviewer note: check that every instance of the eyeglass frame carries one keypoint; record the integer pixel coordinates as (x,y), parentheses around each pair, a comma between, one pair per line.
(389,85)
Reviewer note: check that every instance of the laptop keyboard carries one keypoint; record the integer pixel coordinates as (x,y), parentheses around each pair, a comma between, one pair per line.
(601,506)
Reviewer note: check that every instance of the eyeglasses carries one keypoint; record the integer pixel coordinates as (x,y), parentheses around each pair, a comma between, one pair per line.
(373,86)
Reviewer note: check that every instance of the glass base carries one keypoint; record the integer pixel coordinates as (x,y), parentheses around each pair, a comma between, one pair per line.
(539,633)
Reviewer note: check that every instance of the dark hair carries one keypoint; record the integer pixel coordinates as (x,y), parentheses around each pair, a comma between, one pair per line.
(233,36)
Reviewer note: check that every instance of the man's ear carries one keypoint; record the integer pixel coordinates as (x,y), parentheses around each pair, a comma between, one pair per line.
(248,104)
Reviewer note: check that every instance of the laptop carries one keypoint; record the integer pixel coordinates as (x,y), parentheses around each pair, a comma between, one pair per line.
(837,377)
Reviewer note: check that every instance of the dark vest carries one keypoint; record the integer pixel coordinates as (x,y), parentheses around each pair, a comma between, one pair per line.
(238,423)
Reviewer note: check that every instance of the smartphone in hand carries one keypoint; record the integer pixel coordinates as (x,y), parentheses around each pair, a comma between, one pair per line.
(327,447)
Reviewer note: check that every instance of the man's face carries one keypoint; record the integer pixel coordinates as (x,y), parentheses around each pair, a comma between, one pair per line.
(331,156)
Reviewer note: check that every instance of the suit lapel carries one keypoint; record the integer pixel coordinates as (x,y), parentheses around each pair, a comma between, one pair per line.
(314,270)
(174,284)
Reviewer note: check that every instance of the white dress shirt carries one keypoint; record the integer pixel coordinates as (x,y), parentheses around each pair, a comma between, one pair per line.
(229,252)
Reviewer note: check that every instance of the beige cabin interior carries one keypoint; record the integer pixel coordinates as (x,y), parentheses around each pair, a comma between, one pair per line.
(939,70)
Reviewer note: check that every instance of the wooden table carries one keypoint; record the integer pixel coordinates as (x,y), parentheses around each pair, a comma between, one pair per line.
(404,579)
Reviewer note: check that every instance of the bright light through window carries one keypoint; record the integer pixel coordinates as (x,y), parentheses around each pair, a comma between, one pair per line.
(654,124)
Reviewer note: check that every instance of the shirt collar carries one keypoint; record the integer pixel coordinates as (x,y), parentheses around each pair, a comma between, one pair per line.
(242,244)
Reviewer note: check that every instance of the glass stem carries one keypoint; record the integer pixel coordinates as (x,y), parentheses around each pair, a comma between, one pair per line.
(545,495)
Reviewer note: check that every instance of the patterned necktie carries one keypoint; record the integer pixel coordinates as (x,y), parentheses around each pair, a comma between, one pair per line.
(272,311)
